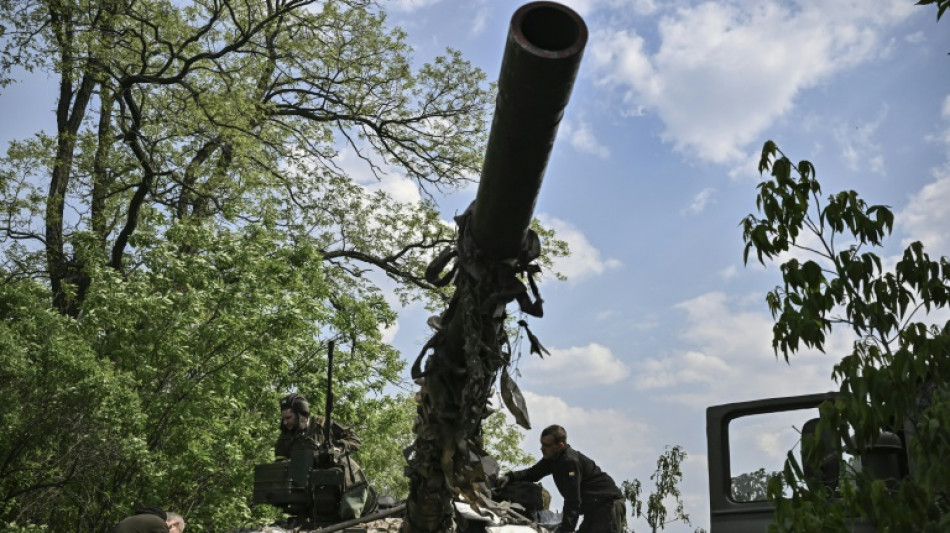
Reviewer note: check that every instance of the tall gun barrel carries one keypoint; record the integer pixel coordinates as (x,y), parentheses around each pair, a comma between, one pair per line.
(542,55)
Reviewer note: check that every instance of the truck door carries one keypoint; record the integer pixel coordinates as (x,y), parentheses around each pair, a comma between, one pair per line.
(747,444)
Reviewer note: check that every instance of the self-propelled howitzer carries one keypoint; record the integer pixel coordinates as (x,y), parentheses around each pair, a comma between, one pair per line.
(494,254)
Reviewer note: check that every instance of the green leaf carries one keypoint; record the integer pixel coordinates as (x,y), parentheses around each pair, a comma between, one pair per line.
(769,150)
(807,170)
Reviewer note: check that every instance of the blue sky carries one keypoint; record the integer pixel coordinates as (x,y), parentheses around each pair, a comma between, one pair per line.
(654,168)
(652,171)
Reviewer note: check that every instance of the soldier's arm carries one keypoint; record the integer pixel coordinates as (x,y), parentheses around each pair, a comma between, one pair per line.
(346,438)
(533,473)
(282,447)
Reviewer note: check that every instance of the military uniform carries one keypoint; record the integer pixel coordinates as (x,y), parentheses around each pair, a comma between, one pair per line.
(312,437)
(358,498)
(587,490)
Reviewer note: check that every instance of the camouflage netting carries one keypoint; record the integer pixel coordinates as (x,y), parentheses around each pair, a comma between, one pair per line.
(462,360)
(491,517)
(385,525)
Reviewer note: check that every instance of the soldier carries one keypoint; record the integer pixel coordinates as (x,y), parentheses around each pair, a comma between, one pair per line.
(587,490)
(298,429)
(151,520)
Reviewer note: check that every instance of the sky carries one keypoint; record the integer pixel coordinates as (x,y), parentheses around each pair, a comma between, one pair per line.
(653,169)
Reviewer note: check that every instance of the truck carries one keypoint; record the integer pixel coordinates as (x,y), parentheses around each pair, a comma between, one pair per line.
(739,437)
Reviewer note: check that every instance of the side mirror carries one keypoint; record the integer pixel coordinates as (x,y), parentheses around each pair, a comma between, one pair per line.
(820,454)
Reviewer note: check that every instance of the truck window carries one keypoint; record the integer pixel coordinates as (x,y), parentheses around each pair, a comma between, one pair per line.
(758,446)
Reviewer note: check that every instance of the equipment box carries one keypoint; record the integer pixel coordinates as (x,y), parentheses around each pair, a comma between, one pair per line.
(326,477)
(274,484)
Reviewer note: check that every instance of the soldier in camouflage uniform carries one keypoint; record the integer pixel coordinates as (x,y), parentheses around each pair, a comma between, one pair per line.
(299,430)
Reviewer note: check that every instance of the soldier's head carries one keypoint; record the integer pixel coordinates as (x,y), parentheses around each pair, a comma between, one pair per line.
(553,440)
(176,524)
(294,411)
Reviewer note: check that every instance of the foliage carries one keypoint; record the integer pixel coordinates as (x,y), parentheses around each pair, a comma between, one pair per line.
(179,367)
(942,5)
(553,248)
(666,478)
(177,253)
(752,486)
(894,380)
(30,528)
(67,413)
(503,442)
(386,430)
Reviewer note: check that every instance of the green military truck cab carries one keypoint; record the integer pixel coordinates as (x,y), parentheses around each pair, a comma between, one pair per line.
(739,437)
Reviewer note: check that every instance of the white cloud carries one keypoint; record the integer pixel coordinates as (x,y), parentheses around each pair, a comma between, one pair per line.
(401,189)
(725,323)
(700,201)
(730,358)
(582,7)
(389,332)
(729,272)
(480,22)
(746,168)
(857,146)
(614,440)
(398,186)
(688,367)
(723,72)
(577,367)
(926,217)
(585,260)
(410,5)
(583,140)
(943,137)
(769,443)
(917,37)
(640,7)
(587,7)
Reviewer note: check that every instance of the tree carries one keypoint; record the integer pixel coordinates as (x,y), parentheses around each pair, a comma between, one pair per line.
(666,478)
(894,380)
(752,486)
(177,254)
(228,112)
